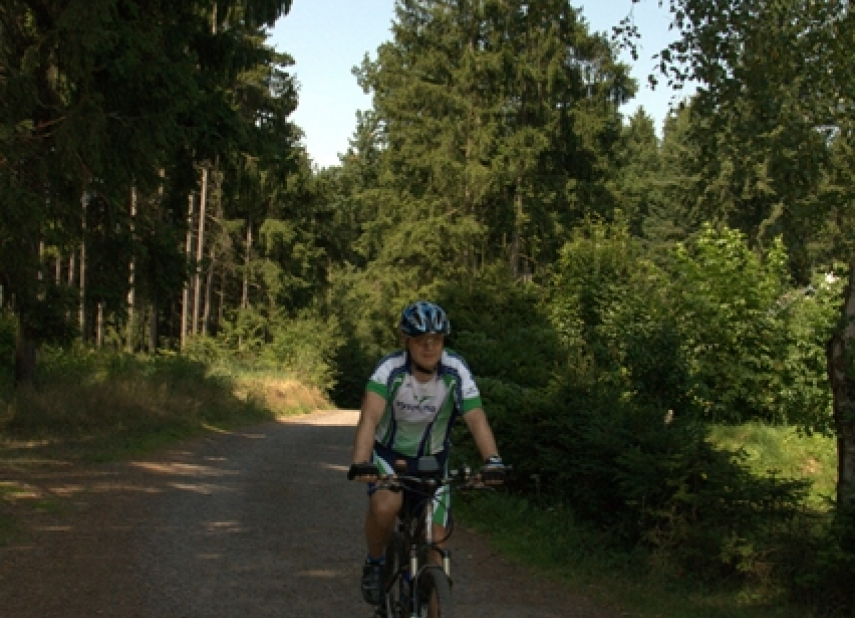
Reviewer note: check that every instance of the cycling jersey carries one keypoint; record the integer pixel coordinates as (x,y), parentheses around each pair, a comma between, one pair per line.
(419,415)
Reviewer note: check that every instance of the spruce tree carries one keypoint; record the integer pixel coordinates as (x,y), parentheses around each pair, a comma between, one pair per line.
(497,121)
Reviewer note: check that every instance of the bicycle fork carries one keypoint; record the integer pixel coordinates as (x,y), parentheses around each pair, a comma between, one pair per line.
(433,547)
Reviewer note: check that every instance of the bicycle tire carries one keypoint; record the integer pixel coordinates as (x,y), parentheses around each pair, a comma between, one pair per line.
(396,602)
(434,585)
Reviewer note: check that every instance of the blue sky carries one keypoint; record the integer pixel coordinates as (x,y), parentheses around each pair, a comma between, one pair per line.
(327,38)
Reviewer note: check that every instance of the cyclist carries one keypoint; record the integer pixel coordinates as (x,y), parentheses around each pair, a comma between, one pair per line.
(410,404)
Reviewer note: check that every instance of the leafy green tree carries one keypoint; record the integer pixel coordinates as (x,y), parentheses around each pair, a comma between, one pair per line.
(733,329)
(770,110)
(776,92)
(496,120)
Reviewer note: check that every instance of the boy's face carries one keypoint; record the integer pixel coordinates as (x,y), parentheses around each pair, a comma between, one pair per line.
(426,350)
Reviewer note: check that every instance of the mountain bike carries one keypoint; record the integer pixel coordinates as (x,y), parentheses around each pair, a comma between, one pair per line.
(415,585)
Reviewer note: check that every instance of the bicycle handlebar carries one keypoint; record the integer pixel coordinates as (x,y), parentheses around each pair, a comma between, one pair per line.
(459,480)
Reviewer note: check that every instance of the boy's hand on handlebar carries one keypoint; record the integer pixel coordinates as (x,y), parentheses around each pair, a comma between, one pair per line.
(493,471)
(364,471)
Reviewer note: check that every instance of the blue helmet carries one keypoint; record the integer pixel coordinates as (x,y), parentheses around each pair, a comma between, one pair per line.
(424,318)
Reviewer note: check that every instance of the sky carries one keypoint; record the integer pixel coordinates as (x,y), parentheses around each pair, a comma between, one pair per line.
(327,38)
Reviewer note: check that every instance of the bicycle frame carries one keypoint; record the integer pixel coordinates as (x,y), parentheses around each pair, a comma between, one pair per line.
(412,577)
(409,553)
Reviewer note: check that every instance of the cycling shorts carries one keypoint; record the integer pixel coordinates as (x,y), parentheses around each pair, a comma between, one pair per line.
(385,459)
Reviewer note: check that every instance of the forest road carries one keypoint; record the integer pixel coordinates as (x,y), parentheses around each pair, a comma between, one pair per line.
(255,523)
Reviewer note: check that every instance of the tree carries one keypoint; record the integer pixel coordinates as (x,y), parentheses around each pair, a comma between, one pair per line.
(776,90)
(639,172)
(495,122)
(99,100)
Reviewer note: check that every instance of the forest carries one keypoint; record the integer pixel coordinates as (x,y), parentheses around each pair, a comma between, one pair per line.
(620,289)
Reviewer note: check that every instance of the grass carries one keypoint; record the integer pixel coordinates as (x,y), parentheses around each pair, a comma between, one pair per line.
(89,408)
(104,407)
(548,538)
(785,452)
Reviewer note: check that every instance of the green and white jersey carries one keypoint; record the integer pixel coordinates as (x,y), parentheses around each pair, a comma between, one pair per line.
(419,416)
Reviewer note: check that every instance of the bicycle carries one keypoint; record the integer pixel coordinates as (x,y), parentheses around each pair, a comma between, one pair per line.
(415,586)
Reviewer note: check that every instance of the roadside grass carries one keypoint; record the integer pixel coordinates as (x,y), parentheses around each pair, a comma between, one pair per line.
(88,408)
(548,538)
(785,452)
(101,407)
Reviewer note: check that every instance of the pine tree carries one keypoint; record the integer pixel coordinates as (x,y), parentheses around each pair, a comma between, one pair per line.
(496,121)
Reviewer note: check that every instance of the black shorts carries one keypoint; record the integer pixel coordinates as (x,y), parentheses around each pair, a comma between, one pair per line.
(385,459)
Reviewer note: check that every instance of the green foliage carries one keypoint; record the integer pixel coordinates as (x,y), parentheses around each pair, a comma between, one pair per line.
(303,347)
(99,402)
(756,345)
(726,298)
(714,328)
(767,122)
(786,450)
(105,121)
(621,433)
(501,328)
(367,311)
(612,310)
(306,346)
(658,483)
(827,565)
(494,138)
(555,542)
(639,172)
(802,390)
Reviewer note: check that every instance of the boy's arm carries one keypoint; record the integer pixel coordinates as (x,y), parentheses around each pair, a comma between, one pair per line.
(373,406)
(479,427)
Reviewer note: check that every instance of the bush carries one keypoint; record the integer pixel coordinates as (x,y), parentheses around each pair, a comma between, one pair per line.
(306,347)
(658,482)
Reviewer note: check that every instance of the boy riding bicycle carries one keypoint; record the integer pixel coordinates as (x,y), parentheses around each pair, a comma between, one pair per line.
(411,403)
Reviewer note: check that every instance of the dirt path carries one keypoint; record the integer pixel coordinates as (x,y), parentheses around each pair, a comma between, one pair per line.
(250,524)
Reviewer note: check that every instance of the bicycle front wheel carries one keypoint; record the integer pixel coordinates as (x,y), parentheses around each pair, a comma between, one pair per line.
(434,594)
(396,602)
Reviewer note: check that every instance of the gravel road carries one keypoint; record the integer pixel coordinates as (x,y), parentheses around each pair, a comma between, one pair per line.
(258,523)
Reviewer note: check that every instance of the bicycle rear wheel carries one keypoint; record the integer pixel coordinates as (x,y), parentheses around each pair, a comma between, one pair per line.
(434,594)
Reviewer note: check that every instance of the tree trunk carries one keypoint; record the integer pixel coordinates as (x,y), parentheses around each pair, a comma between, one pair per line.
(188,249)
(841,374)
(82,276)
(209,287)
(221,305)
(72,268)
(244,301)
(200,247)
(152,328)
(215,198)
(516,239)
(99,325)
(132,267)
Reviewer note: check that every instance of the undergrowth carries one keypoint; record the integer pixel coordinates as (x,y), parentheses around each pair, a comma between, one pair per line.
(102,406)
(645,582)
